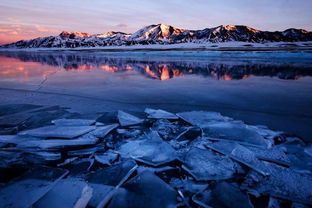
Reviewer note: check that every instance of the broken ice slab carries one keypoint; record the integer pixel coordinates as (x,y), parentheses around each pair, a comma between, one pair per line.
(85,151)
(189,134)
(106,158)
(73,122)
(102,131)
(223,195)
(58,131)
(111,175)
(237,132)
(29,187)
(240,154)
(308,150)
(205,165)
(159,114)
(69,192)
(17,108)
(274,154)
(166,129)
(41,157)
(51,144)
(126,119)
(13,120)
(202,118)
(10,159)
(145,190)
(282,183)
(105,180)
(150,149)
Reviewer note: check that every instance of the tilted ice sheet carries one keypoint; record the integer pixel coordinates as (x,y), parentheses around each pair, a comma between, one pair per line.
(126,119)
(73,122)
(202,118)
(206,165)
(282,183)
(159,114)
(145,190)
(30,187)
(66,193)
(58,131)
(238,132)
(224,195)
(151,149)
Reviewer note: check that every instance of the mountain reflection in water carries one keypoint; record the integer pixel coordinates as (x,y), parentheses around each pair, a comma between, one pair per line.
(157,68)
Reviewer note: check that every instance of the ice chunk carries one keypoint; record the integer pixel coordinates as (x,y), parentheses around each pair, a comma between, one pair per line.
(105,182)
(66,193)
(126,119)
(85,151)
(30,187)
(58,131)
(282,183)
(202,118)
(111,175)
(51,144)
(151,150)
(102,131)
(205,165)
(224,195)
(238,132)
(308,150)
(13,120)
(274,154)
(106,158)
(73,122)
(145,190)
(240,154)
(159,114)
(189,134)
(166,129)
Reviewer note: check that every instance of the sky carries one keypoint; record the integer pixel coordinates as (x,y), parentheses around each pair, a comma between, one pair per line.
(26,19)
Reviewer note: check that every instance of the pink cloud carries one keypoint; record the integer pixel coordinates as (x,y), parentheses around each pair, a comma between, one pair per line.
(122,25)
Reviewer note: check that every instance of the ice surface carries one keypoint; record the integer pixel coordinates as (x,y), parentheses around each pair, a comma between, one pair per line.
(282,183)
(66,193)
(58,131)
(151,149)
(145,190)
(238,132)
(73,122)
(223,195)
(159,114)
(126,119)
(202,118)
(205,165)
(30,187)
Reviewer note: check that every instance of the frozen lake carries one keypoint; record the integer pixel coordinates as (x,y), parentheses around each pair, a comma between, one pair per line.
(264,88)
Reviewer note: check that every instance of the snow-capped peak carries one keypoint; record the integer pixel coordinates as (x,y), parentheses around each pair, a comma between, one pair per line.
(66,34)
(159,31)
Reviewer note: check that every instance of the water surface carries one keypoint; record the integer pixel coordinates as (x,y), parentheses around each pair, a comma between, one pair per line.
(272,89)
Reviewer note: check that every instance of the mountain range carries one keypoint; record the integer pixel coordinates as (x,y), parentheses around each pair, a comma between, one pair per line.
(164,34)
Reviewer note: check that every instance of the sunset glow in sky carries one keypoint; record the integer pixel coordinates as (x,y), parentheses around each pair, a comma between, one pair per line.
(26,19)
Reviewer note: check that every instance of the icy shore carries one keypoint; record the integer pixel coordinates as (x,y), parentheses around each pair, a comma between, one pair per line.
(50,157)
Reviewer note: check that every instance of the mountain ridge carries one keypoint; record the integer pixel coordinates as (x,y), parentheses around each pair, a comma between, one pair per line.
(164,34)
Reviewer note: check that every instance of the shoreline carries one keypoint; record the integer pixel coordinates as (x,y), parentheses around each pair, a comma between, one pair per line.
(223,47)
